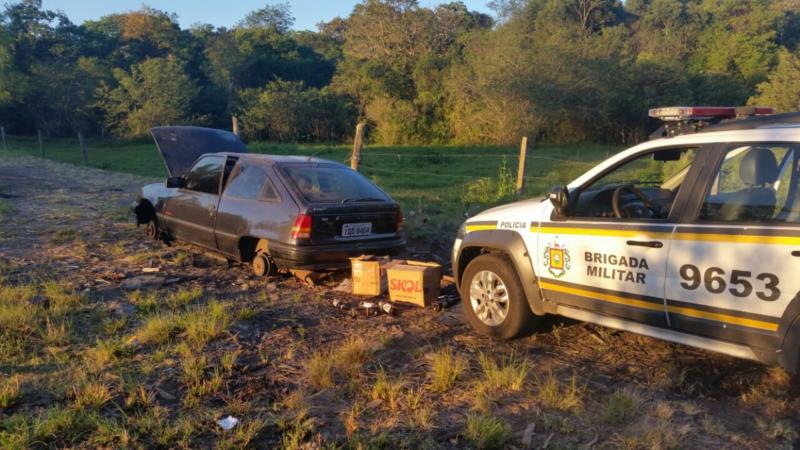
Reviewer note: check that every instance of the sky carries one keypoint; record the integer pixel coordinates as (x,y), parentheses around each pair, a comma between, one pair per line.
(307,13)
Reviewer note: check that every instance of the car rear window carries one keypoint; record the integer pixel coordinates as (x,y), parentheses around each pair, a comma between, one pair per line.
(330,184)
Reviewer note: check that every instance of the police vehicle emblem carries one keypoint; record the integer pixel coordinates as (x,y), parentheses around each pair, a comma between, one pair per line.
(557,259)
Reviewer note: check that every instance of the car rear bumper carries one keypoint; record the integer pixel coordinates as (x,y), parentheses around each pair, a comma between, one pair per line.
(331,256)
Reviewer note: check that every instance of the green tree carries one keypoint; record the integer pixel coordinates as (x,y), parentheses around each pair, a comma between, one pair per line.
(276,17)
(782,89)
(154,92)
(288,111)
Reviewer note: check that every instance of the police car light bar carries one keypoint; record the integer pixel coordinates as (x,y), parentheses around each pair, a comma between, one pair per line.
(682,113)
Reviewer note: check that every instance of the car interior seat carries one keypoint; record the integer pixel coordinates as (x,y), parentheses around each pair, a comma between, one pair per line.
(758,170)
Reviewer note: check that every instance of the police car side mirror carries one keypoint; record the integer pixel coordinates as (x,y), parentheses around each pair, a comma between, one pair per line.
(559,197)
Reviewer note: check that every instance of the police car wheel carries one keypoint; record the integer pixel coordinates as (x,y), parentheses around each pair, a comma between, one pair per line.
(493,298)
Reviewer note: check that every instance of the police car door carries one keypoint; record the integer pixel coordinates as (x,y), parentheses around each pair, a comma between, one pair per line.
(609,254)
(731,269)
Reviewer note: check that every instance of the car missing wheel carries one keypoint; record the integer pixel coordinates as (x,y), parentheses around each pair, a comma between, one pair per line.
(275,212)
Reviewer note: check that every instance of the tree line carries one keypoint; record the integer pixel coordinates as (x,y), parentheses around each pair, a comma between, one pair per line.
(558,70)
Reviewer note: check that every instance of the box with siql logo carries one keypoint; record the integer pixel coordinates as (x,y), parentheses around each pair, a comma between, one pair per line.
(369,274)
(416,284)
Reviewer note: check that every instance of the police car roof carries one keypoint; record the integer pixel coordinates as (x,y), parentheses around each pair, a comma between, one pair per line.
(791,119)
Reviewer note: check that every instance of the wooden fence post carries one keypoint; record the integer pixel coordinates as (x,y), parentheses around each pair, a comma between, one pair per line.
(83,148)
(523,153)
(3,132)
(235,125)
(39,136)
(357,144)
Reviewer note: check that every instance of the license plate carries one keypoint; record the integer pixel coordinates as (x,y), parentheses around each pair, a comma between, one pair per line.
(356,229)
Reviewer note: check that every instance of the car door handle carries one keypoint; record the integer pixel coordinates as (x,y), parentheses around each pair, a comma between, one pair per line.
(796,253)
(652,244)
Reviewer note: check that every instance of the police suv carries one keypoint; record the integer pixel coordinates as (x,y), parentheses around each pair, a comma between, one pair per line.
(689,237)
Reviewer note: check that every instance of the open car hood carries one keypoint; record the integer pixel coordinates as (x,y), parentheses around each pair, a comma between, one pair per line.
(180,146)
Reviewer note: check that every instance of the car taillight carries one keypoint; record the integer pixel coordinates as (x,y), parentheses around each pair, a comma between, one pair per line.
(302,227)
(400,224)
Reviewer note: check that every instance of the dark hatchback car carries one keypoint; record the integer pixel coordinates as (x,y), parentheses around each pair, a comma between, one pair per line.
(278,212)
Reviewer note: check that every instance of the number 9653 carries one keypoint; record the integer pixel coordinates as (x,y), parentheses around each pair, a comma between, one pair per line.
(715,281)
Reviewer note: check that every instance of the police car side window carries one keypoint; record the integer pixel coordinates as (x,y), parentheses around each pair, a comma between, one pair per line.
(657,175)
(755,183)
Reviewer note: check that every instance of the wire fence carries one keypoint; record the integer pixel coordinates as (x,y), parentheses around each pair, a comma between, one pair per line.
(437,173)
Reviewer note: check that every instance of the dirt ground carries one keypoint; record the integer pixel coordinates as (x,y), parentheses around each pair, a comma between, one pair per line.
(299,373)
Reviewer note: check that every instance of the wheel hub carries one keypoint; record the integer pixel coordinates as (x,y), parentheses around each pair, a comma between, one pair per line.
(488,297)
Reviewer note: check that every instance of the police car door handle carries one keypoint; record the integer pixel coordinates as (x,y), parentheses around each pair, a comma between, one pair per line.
(796,253)
(652,244)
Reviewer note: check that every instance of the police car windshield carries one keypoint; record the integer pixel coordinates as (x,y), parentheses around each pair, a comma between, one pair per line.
(650,171)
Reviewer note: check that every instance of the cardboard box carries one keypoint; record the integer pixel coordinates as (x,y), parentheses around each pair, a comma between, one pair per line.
(417,284)
(369,275)
(435,266)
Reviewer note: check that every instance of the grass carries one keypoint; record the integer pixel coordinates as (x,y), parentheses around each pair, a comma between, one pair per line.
(91,394)
(507,374)
(5,208)
(553,393)
(10,390)
(486,432)
(205,323)
(319,370)
(446,367)
(198,325)
(346,360)
(388,389)
(621,406)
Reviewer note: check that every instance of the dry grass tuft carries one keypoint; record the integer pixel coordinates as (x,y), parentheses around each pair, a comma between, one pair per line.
(388,390)
(621,406)
(61,299)
(346,359)
(446,367)
(105,352)
(554,394)
(507,375)
(158,329)
(10,391)
(203,324)
(487,432)
(183,297)
(56,333)
(91,394)
(319,369)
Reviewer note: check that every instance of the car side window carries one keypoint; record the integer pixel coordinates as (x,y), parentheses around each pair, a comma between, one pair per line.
(754,183)
(644,187)
(205,176)
(247,183)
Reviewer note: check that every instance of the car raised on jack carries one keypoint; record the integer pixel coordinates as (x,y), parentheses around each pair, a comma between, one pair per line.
(275,212)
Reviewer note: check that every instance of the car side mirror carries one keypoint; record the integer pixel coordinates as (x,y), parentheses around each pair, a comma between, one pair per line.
(175,182)
(559,197)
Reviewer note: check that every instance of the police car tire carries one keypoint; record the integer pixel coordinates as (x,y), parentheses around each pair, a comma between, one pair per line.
(519,320)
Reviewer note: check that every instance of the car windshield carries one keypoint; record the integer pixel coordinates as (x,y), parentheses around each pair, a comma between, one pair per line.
(331,184)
